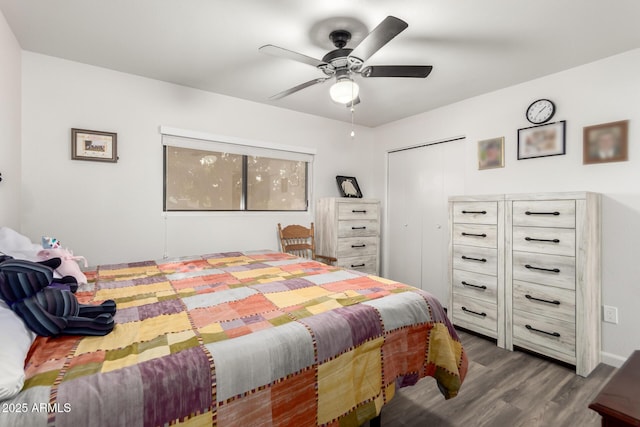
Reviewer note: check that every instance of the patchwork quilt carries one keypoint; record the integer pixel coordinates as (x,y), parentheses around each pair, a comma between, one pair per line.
(239,339)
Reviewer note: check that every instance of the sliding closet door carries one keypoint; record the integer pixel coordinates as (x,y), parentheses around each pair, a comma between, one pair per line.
(404,217)
(419,183)
(444,179)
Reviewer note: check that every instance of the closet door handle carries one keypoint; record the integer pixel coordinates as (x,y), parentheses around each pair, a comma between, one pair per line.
(475,212)
(468,258)
(556,213)
(483,287)
(531,328)
(357,265)
(358,246)
(474,235)
(531,239)
(552,270)
(465,309)
(530,298)
(358,228)
(358,211)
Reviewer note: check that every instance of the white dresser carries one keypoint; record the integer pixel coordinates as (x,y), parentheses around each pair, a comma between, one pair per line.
(525,270)
(476,264)
(553,276)
(349,230)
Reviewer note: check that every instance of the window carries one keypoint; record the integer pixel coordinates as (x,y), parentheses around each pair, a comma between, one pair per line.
(276,185)
(203,175)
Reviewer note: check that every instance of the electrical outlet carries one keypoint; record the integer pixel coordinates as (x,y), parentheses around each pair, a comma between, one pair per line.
(610,314)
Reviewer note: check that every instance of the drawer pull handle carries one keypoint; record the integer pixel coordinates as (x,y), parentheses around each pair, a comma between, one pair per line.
(531,239)
(483,287)
(556,213)
(465,309)
(468,258)
(475,212)
(357,265)
(358,246)
(358,228)
(552,270)
(531,328)
(474,235)
(358,211)
(530,298)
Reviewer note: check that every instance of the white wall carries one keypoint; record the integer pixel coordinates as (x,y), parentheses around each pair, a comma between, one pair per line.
(10,99)
(600,92)
(113,212)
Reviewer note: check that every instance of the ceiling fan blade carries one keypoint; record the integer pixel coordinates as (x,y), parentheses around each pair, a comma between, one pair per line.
(280,52)
(378,37)
(297,88)
(417,71)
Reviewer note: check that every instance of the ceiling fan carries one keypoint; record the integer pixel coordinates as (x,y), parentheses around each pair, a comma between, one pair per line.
(343,63)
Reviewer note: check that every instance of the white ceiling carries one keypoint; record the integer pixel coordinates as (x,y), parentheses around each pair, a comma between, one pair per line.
(475,46)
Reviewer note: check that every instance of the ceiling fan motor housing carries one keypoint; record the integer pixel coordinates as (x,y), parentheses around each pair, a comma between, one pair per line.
(340,38)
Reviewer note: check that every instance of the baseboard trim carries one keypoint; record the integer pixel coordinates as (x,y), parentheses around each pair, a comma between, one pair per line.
(612,359)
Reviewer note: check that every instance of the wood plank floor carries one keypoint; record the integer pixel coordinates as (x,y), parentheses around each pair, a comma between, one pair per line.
(502,388)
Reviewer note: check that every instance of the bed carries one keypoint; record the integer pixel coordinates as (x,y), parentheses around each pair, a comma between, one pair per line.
(239,339)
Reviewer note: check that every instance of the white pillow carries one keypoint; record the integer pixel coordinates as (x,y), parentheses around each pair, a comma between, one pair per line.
(15,339)
(18,246)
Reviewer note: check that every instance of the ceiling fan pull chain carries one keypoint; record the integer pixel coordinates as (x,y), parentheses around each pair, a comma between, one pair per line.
(353,131)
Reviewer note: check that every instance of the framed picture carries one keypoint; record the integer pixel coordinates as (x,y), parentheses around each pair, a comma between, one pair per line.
(348,186)
(541,141)
(94,145)
(606,143)
(491,153)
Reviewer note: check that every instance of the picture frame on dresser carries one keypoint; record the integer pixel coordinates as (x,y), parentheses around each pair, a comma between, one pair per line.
(348,186)
(542,141)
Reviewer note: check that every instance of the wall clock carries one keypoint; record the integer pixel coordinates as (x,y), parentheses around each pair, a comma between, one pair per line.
(540,111)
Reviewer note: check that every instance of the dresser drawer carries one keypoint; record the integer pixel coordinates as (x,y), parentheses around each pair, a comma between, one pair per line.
(475,235)
(479,286)
(358,227)
(358,211)
(553,241)
(477,315)
(478,260)
(475,212)
(364,263)
(545,213)
(539,333)
(357,246)
(546,301)
(551,270)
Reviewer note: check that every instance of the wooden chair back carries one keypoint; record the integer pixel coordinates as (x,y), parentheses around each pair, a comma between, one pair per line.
(298,240)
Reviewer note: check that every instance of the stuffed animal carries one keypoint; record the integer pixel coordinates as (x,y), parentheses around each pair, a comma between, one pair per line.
(68,266)
(46,310)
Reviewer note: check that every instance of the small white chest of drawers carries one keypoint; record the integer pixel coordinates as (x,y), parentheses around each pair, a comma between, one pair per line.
(476,264)
(553,276)
(349,230)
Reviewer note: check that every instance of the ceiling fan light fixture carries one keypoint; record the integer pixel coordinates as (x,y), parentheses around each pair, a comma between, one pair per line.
(344,91)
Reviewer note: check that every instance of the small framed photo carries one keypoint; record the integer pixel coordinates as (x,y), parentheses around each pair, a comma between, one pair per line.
(491,153)
(606,143)
(94,145)
(348,186)
(542,141)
